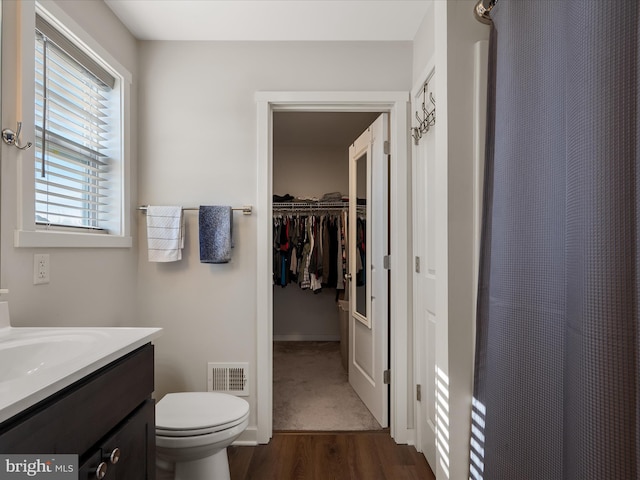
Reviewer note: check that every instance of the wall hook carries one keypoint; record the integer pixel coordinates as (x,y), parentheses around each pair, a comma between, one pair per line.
(428,118)
(13,138)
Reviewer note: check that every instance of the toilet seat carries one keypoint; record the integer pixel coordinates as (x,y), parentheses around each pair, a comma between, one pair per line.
(187,414)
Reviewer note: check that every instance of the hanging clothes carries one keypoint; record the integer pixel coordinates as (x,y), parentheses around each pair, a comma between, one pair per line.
(340,257)
(361,231)
(312,250)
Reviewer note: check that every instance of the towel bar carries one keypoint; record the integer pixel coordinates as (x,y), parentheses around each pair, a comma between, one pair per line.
(246,210)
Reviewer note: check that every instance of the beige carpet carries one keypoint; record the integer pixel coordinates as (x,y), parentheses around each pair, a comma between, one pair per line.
(311,390)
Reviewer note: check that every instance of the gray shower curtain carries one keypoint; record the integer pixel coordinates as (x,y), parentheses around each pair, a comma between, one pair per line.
(556,393)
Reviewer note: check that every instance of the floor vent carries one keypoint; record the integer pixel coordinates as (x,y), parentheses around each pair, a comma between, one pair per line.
(228,378)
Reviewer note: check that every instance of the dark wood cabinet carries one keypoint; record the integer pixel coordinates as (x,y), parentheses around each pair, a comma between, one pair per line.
(125,453)
(109,410)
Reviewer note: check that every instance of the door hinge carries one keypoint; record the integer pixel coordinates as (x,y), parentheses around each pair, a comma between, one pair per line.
(419,392)
(417,264)
(386,377)
(386,262)
(387,147)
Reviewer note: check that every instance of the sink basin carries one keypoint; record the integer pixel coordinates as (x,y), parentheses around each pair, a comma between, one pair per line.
(33,355)
(36,362)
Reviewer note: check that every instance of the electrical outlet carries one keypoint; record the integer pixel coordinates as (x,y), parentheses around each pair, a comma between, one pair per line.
(40,268)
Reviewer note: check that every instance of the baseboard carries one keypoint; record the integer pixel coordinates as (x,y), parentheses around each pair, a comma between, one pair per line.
(248,438)
(306,338)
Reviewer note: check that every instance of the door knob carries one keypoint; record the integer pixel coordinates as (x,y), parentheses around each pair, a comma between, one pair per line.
(113,457)
(101,471)
(348,276)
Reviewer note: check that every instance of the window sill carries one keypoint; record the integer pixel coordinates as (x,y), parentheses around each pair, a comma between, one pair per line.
(55,239)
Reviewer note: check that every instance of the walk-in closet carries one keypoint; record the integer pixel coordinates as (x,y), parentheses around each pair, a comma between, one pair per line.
(310,176)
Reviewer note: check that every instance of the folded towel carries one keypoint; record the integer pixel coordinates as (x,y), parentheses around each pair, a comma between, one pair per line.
(165,233)
(215,234)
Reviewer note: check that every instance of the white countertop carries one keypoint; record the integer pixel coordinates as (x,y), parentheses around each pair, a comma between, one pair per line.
(37,362)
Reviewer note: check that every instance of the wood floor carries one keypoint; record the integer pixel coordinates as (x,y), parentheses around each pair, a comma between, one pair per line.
(329,456)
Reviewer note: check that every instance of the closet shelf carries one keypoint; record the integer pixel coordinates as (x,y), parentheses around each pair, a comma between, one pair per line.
(311,206)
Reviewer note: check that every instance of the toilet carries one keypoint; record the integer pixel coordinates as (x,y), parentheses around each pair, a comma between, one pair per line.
(193,431)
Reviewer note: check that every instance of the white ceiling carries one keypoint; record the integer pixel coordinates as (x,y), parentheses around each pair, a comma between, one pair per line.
(281,20)
(271,20)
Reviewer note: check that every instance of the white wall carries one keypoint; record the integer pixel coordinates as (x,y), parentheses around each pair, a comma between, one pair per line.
(424,44)
(463,30)
(447,37)
(303,315)
(197,137)
(99,281)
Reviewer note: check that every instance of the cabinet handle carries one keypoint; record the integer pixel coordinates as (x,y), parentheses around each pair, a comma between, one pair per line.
(101,471)
(113,457)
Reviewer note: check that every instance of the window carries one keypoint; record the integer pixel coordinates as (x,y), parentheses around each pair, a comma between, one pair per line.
(74,188)
(73,131)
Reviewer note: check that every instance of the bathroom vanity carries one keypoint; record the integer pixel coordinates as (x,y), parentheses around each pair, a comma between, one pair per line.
(98,407)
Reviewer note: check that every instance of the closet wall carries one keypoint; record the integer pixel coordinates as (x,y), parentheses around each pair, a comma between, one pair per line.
(311,158)
(310,170)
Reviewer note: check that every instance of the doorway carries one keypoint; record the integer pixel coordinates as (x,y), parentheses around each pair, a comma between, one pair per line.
(311,182)
(396,104)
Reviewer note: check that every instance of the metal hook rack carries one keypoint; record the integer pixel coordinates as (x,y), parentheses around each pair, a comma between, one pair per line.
(428,118)
(13,138)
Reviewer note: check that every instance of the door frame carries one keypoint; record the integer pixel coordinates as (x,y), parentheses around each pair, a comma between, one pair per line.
(396,104)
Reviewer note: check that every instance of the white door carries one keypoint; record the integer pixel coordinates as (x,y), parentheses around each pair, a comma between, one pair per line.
(424,282)
(368,289)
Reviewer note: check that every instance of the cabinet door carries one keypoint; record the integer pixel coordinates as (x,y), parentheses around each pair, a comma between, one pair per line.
(135,441)
(129,452)
(89,468)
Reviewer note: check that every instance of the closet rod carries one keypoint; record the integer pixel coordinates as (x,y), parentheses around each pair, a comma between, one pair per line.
(247,209)
(310,205)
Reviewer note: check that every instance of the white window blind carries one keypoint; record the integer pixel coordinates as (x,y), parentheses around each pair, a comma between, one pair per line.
(72,133)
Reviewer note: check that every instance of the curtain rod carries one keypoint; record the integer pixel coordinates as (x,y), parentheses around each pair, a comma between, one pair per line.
(482,11)
(247,209)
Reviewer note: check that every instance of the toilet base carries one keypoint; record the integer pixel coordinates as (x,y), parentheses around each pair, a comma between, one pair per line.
(213,467)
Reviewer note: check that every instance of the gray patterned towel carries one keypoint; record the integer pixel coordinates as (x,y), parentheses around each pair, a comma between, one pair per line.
(215,228)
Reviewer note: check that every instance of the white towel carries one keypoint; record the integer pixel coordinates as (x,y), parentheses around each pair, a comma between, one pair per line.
(165,233)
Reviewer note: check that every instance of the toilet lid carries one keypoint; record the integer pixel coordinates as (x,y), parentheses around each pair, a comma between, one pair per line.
(199,411)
